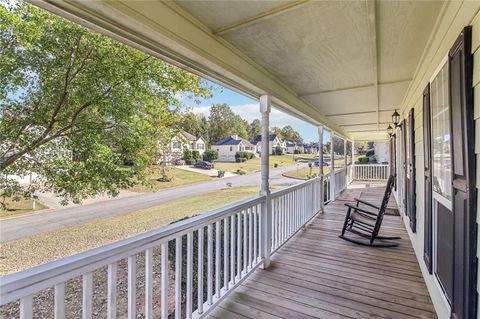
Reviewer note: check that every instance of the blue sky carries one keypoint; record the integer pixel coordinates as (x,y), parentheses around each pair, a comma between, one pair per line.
(248,109)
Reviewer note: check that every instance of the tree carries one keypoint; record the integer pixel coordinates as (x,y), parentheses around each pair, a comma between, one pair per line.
(254,129)
(277,131)
(210,155)
(76,104)
(191,124)
(288,133)
(223,122)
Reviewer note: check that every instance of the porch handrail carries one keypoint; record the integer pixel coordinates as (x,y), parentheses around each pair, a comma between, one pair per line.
(371,172)
(240,222)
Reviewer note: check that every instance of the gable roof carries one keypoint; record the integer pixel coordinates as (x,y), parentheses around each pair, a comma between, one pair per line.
(233,140)
(258,138)
(189,136)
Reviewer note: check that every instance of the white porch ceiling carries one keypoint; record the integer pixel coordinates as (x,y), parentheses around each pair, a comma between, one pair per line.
(345,64)
(352,60)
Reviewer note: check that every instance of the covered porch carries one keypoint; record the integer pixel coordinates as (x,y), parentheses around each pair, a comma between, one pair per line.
(318,275)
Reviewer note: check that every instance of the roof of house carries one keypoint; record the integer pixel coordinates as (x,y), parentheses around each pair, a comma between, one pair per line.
(189,136)
(233,140)
(258,138)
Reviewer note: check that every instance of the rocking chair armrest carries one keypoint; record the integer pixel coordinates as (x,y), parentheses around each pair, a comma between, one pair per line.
(355,208)
(366,203)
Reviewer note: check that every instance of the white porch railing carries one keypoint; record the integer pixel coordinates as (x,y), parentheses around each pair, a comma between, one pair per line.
(190,265)
(340,180)
(371,172)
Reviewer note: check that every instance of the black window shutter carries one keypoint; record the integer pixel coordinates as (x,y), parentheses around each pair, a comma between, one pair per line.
(411,193)
(463,176)
(427,155)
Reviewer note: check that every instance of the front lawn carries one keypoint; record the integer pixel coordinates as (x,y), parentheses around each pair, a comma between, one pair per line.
(28,252)
(22,207)
(304,173)
(180,177)
(253,164)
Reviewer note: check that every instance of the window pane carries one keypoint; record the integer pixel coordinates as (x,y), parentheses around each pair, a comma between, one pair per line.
(441,134)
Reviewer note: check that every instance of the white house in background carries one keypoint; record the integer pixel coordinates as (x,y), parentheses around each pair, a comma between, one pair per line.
(229,146)
(310,148)
(275,142)
(382,152)
(293,147)
(186,141)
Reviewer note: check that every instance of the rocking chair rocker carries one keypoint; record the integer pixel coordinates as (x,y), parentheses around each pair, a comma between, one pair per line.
(366,223)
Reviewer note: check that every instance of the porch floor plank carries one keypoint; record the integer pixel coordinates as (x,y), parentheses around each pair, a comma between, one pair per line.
(318,275)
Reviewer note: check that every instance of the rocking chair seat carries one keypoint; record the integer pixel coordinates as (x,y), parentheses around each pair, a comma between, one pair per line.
(362,218)
(365,223)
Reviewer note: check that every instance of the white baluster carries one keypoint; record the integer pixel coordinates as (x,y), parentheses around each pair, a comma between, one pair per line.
(217,259)
(245,240)
(112,291)
(148,283)
(132,287)
(164,280)
(200,270)
(209,264)
(189,303)
(226,246)
(60,301)
(178,278)
(232,248)
(239,245)
(26,307)
(87,286)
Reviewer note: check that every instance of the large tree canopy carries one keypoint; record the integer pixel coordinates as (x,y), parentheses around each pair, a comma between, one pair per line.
(76,104)
(223,123)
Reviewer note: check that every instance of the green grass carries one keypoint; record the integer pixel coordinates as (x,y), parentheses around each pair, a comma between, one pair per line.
(22,207)
(253,164)
(28,252)
(180,177)
(304,172)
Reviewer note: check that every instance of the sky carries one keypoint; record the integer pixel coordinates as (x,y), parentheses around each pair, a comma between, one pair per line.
(248,109)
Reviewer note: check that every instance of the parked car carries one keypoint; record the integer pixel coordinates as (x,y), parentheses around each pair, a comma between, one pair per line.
(316,163)
(204,165)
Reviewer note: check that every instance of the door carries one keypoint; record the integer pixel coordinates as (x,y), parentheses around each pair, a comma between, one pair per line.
(463,177)
(410,197)
(427,196)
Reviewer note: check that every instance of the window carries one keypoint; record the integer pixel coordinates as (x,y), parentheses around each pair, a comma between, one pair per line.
(176,145)
(441,153)
(200,146)
(231,148)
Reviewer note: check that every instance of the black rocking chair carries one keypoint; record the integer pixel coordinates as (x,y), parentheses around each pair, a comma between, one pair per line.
(366,222)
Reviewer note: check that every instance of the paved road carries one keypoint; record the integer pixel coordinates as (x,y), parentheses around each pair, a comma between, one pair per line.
(25,226)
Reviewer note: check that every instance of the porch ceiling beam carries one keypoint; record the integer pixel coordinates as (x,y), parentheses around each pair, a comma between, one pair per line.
(352,87)
(358,124)
(372,26)
(358,113)
(164,29)
(259,17)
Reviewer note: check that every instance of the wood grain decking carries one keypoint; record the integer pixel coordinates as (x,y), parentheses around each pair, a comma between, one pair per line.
(318,275)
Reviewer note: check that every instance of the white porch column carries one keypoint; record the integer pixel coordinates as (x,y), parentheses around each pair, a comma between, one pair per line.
(266,217)
(345,161)
(332,169)
(320,165)
(353,160)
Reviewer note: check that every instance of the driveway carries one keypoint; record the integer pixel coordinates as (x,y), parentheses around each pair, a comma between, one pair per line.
(29,225)
(208,172)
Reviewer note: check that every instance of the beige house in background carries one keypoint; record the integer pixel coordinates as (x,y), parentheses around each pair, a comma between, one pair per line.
(186,141)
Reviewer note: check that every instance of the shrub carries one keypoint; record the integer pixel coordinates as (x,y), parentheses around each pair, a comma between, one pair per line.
(210,155)
(196,155)
(278,151)
(297,152)
(370,153)
(275,165)
(241,172)
(191,162)
(363,159)
(187,155)
(221,173)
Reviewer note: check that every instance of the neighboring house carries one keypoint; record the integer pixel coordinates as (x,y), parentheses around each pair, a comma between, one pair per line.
(229,146)
(292,147)
(274,142)
(382,152)
(310,148)
(186,141)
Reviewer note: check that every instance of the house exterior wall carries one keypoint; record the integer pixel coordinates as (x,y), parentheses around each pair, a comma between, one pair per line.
(453,18)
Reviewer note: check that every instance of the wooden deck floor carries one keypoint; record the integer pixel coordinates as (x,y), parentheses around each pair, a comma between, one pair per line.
(318,275)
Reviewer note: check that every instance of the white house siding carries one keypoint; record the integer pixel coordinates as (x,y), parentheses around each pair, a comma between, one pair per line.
(454,16)
(224,152)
